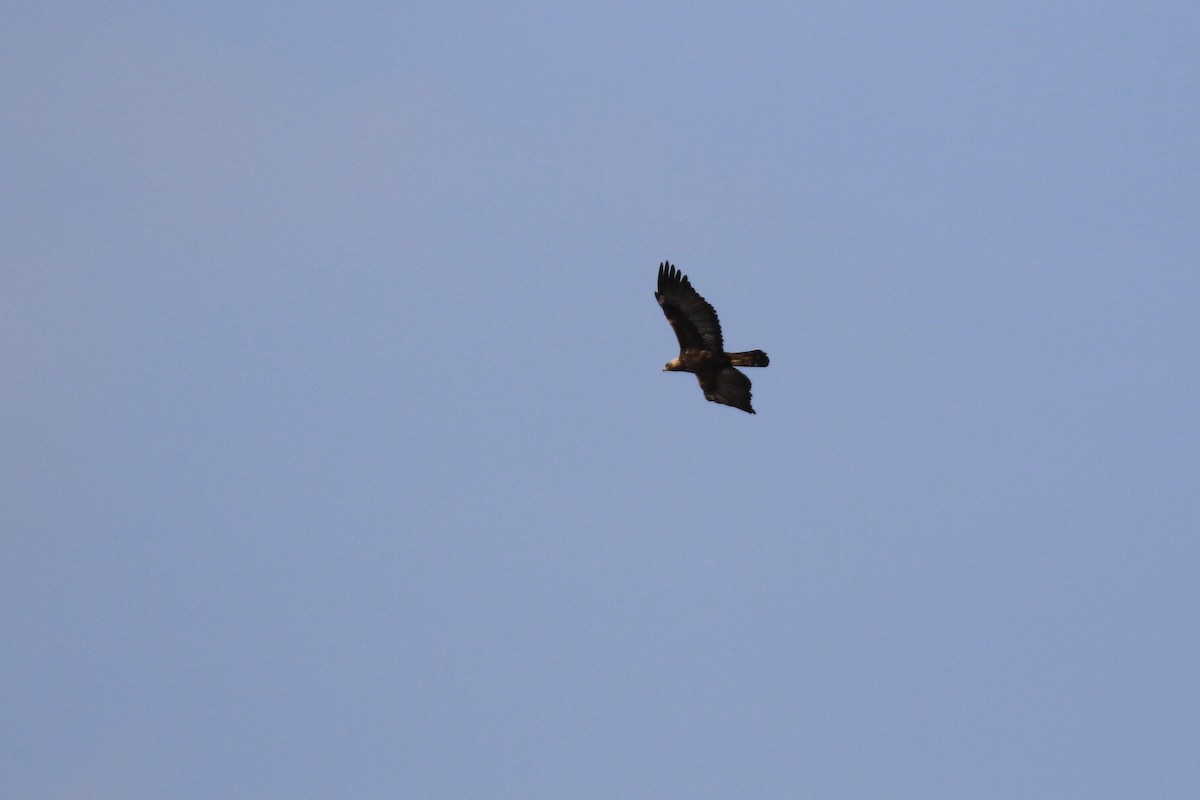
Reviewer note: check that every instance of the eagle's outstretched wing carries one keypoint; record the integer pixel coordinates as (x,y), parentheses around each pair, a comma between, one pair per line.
(693,319)
(728,386)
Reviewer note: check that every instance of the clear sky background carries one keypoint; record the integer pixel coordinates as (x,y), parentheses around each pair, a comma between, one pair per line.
(338,462)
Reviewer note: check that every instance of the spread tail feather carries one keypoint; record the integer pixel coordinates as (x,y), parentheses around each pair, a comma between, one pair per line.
(751,358)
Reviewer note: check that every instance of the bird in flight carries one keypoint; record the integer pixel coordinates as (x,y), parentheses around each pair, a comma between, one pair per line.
(701,350)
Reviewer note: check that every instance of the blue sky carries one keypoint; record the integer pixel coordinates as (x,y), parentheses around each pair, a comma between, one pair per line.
(337,458)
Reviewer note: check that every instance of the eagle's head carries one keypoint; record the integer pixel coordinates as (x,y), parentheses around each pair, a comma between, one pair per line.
(671,366)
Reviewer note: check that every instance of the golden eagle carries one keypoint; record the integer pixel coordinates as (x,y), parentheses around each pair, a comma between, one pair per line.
(701,350)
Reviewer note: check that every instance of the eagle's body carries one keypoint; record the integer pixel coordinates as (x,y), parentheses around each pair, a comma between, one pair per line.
(701,349)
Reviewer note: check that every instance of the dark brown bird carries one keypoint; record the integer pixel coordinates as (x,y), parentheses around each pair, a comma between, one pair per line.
(701,350)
